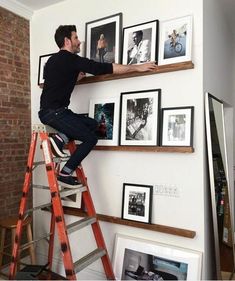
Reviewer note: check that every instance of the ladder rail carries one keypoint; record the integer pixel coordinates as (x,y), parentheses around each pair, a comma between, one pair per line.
(23,202)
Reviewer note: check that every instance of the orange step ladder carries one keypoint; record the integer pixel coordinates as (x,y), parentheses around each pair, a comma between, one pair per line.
(57,214)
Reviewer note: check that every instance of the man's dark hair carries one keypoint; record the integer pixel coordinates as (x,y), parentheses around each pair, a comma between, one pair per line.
(63,31)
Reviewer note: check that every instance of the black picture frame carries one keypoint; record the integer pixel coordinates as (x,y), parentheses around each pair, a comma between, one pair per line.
(137,202)
(146,35)
(177,126)
(42,62)
(111,28)
(139,117)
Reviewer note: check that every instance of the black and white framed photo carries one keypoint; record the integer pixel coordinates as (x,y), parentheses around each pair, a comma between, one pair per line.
(137,202)
(106,112)
(139,117)
(41,66)
(175,43)
(103,39)
(140,259)
(177,126)
(140,43)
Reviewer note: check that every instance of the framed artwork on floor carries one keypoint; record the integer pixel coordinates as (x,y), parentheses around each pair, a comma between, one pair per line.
(175,41)
(139,117)
(103,39)
(41,66)
(137,202)
(105,112)
(140,259)
(177,126)
(140,43)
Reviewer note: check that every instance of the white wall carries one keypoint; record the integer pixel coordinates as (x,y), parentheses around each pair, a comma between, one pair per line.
(107,171)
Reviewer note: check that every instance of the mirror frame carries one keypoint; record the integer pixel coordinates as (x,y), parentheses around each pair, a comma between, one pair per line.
(212,183)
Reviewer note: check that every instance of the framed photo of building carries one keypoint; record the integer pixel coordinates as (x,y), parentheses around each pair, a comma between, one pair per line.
(137,202)
(139,117)
(103,39)
(177,126)
(140,43)
(106,112)
(41,66)
(140,259)
(175,42)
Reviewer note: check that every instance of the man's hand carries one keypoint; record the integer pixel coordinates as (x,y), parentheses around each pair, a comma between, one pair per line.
(143,67)
(81,75)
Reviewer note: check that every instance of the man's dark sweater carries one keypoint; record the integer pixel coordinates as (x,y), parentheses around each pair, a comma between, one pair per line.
(61,74)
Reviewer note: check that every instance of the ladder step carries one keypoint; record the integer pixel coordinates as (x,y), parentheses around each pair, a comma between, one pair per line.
(88,259)
(80,224)
(67,192)
(38,208)
(26,245)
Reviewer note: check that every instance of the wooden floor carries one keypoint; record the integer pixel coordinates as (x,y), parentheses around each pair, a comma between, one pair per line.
(227,276)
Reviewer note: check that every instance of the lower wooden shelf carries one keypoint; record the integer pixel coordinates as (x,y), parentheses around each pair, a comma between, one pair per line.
(154,227)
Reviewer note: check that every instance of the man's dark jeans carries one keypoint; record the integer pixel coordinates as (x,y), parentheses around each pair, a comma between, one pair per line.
(75,127)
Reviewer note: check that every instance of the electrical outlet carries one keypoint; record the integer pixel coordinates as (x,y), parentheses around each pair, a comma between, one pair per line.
(170,190)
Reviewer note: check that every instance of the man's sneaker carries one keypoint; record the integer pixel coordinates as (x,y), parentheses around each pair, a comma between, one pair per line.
(57,145)
(68,181)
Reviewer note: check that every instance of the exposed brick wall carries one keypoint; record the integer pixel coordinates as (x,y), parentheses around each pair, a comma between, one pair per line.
(15,109)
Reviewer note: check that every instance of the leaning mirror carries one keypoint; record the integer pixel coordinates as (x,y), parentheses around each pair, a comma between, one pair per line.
(219,186)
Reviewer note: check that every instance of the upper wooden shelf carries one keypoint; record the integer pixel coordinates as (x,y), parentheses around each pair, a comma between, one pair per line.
(159,69)
(179,149)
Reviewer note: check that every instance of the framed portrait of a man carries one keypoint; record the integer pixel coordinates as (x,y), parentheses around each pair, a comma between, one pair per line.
(140,43)
(103,39)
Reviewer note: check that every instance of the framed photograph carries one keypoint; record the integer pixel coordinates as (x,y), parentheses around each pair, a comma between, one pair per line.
(140,43)
(177,126)
(139,259)
(103,39)
(137,202)
(175,40)
(105,112)
(139,117)
(42,62)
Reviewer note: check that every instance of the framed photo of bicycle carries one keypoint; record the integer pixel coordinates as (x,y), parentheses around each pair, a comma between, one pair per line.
(177,126)
(139,117)
(175,42)
(103,39)
(140,43)
(105,112)
(137,202)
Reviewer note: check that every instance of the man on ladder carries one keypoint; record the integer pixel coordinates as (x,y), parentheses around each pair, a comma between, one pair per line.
(61,73)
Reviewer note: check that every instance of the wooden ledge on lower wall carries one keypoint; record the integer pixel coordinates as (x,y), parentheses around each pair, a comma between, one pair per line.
(154,227)
(159,69)
(179,149)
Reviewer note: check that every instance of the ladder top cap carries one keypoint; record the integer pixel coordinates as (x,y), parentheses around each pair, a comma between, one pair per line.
(39,128)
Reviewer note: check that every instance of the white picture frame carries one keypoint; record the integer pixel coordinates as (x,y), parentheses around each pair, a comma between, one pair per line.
(139,259)
(175,44)
(106,112)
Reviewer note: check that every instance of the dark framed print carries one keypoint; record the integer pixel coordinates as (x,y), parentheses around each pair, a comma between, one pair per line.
(103,39)
(105,112)
(140,43)
(137,202)
(42,62)
(135,258)
(175,41)
(139,117)
(177,126)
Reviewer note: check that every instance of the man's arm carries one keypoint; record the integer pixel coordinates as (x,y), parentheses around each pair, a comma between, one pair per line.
(121,69)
